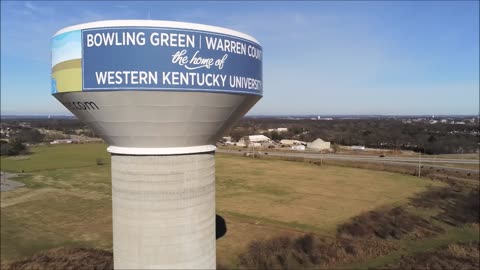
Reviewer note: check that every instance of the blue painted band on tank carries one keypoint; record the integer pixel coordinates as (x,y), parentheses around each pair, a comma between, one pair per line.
(221,91)
(156,59)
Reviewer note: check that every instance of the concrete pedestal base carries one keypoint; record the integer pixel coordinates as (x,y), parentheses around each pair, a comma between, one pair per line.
(164,211)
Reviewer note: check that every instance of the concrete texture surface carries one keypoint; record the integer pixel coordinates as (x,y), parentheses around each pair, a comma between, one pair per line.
(164,211)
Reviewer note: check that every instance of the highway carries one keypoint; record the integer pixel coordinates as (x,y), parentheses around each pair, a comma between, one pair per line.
(405,159)
(408,161)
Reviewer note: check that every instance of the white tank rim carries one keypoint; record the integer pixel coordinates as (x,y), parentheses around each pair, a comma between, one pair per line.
(157,23)
(137,151)
(210,91)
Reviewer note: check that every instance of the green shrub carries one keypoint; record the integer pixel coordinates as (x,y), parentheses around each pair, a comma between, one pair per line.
(100,161)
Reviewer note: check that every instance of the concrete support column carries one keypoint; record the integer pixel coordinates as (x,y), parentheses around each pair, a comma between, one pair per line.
(164,211)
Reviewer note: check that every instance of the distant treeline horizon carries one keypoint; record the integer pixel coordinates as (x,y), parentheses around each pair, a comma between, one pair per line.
(274,116)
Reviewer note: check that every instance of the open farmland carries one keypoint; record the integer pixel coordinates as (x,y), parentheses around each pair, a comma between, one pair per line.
(301,197)
(62,156)
(67,199)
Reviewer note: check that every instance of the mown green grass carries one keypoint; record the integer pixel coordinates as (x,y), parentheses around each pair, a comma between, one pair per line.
(56,157)
(67,199)
(57,221)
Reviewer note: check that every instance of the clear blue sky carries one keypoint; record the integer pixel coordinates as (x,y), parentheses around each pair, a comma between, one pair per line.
(379,57)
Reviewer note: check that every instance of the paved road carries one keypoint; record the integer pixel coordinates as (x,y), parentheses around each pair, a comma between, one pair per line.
(408,161)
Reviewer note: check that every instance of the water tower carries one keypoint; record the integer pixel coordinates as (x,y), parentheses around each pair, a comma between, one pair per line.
(160,93)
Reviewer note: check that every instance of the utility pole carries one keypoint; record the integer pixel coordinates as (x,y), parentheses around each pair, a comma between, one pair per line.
(419,163)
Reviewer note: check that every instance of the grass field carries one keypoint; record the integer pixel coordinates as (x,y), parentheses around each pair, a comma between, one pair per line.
(455,165)
(57,157)
(67,199)
(292,192)
(458,156)
(406,247)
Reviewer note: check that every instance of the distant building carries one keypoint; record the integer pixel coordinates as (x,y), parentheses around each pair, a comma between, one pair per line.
(258,138)
(227,139)
(298,147)
(255,144)
(253,140)
(357,147)
(320,118)
(318,145)
(278,129)
(241,143)
(65,141)
(292,142)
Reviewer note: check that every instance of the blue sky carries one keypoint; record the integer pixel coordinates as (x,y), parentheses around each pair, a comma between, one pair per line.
(379,57)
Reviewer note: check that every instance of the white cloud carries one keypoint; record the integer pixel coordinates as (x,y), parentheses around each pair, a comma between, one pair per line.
(29,5)
(38,10)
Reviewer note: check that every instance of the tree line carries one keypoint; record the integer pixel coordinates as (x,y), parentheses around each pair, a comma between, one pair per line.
(375,133)
(381,133)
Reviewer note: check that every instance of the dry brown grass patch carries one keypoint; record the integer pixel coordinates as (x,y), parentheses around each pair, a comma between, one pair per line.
(395,223)
(67,258)
(454,256)
(308,251)
(458,204)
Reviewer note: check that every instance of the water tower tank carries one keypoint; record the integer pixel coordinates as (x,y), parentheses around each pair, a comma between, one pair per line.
(160,93)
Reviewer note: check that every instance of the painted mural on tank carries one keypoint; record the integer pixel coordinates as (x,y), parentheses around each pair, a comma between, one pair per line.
(67,62)
(136,58)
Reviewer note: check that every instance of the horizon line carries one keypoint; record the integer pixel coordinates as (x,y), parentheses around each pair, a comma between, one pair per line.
(276,115)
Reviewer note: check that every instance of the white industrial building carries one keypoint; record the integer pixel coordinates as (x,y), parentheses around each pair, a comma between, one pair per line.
(278,129)
(298,147)
(319,145)
(227,141)
(292,142)
(253,140)
(64,141)
(357,147)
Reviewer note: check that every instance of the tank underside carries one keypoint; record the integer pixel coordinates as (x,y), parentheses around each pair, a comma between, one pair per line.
(157,119)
